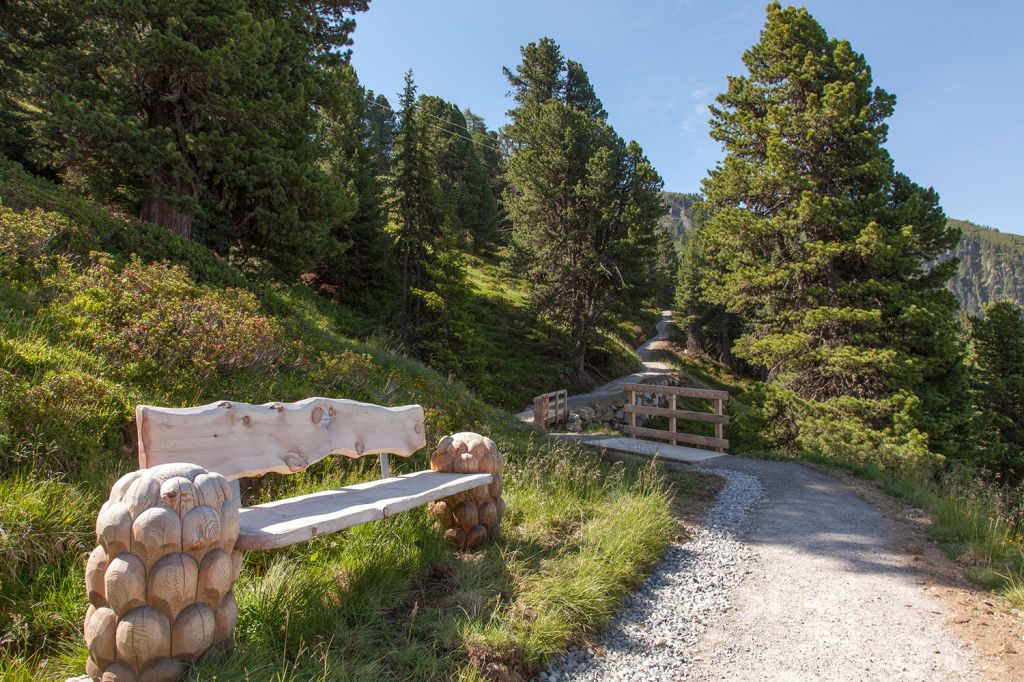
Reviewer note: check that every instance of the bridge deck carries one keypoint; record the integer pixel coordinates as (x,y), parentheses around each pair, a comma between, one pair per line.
(648,448)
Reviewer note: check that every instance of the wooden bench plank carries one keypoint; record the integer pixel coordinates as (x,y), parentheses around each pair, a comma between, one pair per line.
(285,522)
(239,439)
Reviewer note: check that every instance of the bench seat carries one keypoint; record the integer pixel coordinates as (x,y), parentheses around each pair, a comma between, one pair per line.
(296,519)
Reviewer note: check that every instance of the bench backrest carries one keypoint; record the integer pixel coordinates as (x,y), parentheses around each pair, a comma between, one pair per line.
(239,439)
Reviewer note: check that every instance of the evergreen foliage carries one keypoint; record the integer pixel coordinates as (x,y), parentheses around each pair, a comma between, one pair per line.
(827,256)
(430,267)
(195,109)
(583,204)
(997,345)
(358,129)
(465,183)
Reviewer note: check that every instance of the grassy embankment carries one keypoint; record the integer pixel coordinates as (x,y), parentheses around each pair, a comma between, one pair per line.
(520,357)
(84,337)
(976,524)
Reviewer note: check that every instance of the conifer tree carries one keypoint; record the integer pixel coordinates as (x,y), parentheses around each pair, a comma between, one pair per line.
(465,185)
(827,257)
(583,204)
(997,345)
(488,149)
(358,130)
(430,266)
(187,106)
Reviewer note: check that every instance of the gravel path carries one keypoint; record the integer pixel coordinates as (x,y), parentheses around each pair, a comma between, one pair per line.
(791,577)
(649,368)
(831,596)
(653,635)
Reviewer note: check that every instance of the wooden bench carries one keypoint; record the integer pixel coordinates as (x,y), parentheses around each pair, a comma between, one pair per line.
(172,533)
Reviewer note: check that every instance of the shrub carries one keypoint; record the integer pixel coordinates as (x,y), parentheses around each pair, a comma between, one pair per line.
(26,235)
(68,421)
(346,371)
(152,318)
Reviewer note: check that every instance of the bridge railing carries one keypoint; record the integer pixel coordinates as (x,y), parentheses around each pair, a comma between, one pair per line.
(542,408)
(633,408)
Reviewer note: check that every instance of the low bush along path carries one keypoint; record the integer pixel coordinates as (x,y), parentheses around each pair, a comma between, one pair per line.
(795,575)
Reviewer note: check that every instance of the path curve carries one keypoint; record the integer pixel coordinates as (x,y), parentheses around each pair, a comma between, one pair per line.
(830,594)
(827,592)
(649,368)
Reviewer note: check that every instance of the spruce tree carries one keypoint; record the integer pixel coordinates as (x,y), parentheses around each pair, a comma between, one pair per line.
(827,257)
(583,204)
(997,345)
(430,267)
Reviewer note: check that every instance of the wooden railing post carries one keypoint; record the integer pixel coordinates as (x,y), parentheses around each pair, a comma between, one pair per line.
(673,413)
(672,419)
(542,408)
(632,414)
(719,426)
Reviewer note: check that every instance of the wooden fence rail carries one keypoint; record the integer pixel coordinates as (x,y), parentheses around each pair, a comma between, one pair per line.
(717,417)
(542,412)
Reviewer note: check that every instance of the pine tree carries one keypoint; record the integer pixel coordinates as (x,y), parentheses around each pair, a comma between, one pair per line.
(430,266)
(488,149)
(358,130)
(827,257)
(583,204)
(465,185)
(190,108)
(997,345)
(666,269)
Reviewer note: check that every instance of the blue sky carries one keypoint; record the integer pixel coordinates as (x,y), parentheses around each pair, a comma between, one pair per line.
(957,69)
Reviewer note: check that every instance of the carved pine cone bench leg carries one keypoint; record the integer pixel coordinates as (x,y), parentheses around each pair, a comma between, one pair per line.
(160,581)
(472,517)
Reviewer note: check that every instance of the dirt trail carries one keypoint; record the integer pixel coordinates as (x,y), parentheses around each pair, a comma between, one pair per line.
(831,595)
(649,368)
(839,590)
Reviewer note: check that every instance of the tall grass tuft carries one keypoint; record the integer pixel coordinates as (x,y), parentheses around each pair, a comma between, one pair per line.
(41,521)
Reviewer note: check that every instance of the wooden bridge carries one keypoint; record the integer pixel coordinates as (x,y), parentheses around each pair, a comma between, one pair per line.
(651,401)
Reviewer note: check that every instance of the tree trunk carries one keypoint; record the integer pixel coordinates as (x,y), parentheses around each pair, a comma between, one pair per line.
(159,207)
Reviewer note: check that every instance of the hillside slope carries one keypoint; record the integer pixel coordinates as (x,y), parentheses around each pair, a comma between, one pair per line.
(991,267)
(99,313)
(679,217)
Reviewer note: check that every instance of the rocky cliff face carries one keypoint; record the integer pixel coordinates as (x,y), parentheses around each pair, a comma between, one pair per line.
(991,267)
(679,217)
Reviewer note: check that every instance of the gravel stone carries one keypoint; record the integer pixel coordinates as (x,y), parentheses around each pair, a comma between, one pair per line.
(651,637)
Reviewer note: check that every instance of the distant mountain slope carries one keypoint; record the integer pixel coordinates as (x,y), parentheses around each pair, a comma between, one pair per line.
(991,262)
(991,266)
(679,217)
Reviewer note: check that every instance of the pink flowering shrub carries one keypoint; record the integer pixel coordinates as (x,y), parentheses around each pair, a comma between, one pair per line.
(64,421)
(151,317)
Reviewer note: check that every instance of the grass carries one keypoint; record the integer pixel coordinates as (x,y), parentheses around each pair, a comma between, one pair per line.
(387,600)
(542,359)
